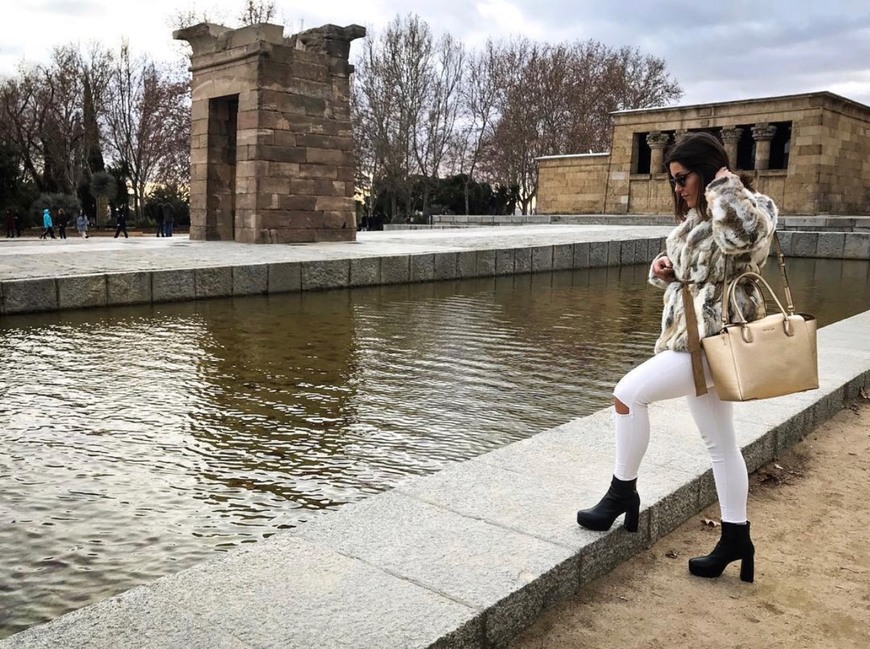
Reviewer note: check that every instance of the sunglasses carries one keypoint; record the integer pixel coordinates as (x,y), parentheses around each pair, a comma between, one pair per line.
(680,180)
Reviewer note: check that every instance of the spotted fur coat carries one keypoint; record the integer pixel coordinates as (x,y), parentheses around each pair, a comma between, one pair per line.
(739,228)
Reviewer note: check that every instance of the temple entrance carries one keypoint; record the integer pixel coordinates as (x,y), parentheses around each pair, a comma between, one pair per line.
(223,115)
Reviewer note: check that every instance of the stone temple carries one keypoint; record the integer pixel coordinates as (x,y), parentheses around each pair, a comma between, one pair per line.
(809,152)
(272,155)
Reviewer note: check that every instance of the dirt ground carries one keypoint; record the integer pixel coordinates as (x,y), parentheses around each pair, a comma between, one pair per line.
(810,514)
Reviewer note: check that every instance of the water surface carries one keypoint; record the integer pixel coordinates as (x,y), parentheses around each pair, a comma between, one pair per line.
(138,441)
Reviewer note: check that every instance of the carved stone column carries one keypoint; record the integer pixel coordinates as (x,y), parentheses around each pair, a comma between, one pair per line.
(763,134)
(730,138)
(657,142)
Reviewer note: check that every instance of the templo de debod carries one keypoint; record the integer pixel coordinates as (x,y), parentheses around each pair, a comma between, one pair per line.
(271,155)
(809,152)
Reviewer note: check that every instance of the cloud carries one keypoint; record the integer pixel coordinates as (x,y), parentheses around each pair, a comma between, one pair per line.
(68,7)
(716,51)
(508,17)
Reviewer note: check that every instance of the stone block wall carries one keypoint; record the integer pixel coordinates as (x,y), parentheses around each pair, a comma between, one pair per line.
(572,184)
(844,164)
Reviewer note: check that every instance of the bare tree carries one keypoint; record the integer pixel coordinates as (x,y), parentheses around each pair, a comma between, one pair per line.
(63,128)
(253,12)
(509,150)
(145,120)
(481,89)
(641,81)
(367,165)
(520,100)
(25,102)
(391,76)
(256,12)
(440,106)
(559,99)
(46,118)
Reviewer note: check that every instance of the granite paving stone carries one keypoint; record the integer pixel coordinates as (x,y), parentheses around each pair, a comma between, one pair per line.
(250,279)
(81,291)
(128,288)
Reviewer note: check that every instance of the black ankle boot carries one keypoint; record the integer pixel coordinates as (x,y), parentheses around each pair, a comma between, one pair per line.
(621,498)
(734,544)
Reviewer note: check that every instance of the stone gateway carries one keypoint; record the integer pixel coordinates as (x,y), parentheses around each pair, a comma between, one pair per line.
(271,153)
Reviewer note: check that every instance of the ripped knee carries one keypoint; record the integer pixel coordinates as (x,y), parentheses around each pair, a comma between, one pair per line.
(621,408)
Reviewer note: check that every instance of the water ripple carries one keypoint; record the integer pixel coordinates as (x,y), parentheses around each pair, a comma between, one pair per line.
(138,441)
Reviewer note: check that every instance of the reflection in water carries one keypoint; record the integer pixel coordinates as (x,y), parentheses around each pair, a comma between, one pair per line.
(137,441)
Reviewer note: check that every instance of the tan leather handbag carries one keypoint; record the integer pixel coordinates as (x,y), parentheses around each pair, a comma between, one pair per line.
(770,357)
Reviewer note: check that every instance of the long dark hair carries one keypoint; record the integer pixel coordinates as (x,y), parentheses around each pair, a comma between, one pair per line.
(704,154)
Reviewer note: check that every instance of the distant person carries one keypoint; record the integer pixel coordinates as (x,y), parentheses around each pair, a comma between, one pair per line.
(82,224)
(158,219)
(121,220)
(47,225)
(10,224)
(168,218)
(62,222)
(17,224)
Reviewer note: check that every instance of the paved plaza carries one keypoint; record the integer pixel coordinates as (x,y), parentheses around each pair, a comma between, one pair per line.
(30,258)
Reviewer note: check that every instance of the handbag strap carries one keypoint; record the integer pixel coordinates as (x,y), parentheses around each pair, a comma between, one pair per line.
(693,340)
(781,260)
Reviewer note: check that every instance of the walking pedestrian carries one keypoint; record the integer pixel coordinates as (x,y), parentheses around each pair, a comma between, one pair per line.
(82,224)
(122,222)
(47,225)
(724,229)
(168,218)
(62,222)
(10,224)
(158,219)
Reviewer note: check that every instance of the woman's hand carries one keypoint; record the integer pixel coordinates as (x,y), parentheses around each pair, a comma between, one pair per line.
(663,269)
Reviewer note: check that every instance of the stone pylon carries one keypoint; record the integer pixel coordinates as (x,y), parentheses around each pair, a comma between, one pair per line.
(271,154)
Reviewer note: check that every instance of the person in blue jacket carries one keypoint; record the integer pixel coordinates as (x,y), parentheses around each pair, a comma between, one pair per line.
(47,225)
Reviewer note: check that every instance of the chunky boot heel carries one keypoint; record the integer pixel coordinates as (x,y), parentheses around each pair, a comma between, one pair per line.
(632,516)
(621,498)
(747,569)
(734,544)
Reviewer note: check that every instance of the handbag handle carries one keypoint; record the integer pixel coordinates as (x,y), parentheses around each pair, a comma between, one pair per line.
(745,331)
(729,286)
(759,281)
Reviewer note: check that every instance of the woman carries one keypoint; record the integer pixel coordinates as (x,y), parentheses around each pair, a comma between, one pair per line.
(82,224)
(62,222)
(724,229)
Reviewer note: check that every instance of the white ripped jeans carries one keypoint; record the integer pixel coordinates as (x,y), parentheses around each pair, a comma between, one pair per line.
(668,375)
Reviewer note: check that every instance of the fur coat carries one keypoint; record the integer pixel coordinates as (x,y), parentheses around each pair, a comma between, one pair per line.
(739,229)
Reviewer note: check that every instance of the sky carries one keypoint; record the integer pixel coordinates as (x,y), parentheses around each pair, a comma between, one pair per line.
(717,51)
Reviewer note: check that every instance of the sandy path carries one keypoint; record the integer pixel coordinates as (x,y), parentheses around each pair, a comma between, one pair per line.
(810,513)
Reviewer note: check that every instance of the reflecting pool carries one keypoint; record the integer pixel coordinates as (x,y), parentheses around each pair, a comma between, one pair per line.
(137,441)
